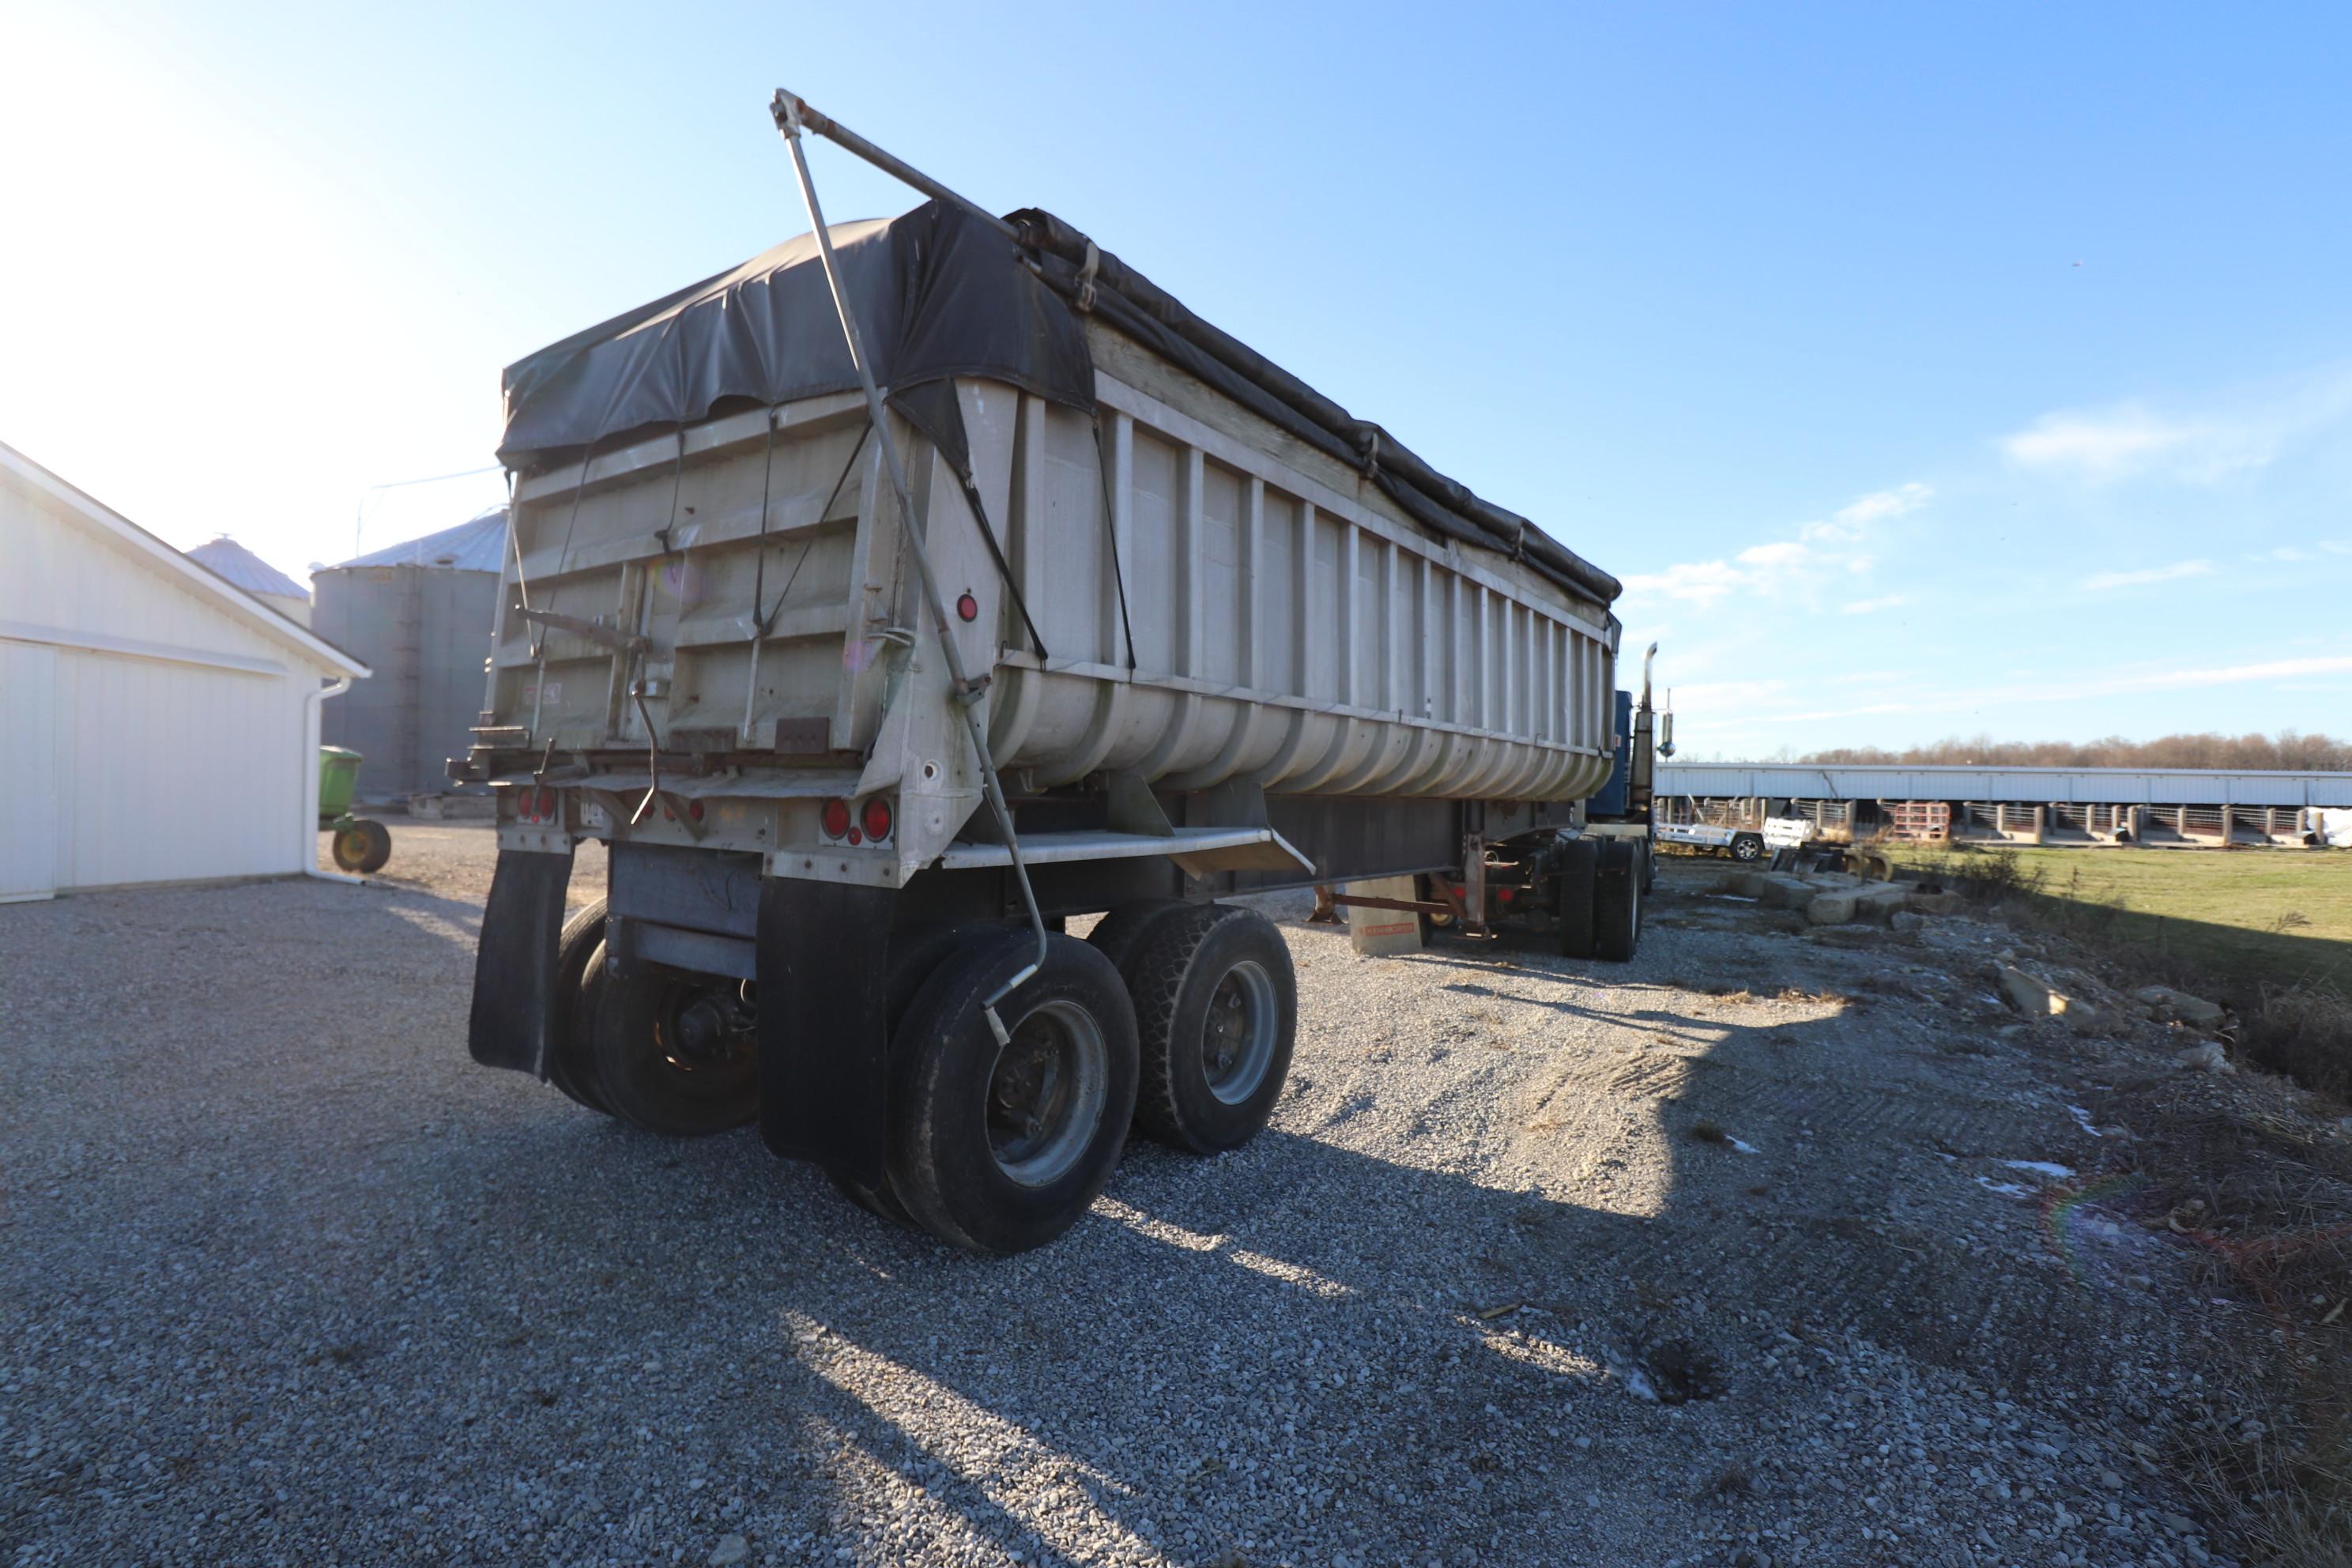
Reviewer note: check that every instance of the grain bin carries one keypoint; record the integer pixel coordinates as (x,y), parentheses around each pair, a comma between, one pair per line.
(422,612)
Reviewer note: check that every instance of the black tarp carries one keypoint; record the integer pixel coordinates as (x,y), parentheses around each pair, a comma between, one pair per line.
(938,293)
(941,292)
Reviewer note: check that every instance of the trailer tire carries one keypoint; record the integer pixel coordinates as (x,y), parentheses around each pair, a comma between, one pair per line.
(881,1203)
(1649,863)
(1119,934)
(1746,849)
(364,847)
(1216,1018)
(1579,865)
(1617,901)
(974,1155)
(669,1058)
(579,992)
(916,952)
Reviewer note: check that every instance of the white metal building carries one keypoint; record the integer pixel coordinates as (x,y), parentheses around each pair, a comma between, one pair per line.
(157,724)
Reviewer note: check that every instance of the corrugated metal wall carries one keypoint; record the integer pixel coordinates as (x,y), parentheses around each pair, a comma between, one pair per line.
(425,631)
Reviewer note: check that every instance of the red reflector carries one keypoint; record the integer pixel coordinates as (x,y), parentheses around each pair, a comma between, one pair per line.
(694,809)
(1505,895)
(853,837)
(835,819)
(876,819)
(968,608)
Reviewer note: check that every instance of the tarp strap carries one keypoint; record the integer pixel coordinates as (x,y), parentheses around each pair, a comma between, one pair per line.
(676,483)
(1110,535)
(762,621)
(760,566)
(564,557)
(1084,300)
(1004,567)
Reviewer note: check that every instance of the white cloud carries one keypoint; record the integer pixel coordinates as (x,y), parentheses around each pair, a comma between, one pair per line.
(2132,441)
(2279,674)
(2285,553)
(1872,607)
(1700,582)
(2228,674)
(1725,695)
(1778,565)
(1780,553)
(1884,504)
(2173,572)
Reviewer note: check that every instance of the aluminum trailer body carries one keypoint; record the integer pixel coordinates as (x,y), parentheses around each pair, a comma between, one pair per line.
(1209,655)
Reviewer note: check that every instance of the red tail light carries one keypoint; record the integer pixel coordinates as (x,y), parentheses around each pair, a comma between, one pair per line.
(836,820)
(876,819)
(545,804)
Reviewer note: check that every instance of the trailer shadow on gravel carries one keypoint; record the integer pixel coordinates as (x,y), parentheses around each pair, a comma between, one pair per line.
(417,1309)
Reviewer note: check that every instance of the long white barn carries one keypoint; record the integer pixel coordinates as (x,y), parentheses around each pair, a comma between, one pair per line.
(2020,786)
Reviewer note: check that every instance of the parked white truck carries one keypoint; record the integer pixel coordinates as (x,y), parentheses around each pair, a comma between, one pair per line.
(891,598)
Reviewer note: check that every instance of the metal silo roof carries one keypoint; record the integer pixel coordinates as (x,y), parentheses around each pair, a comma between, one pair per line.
(478,545)
(240,568)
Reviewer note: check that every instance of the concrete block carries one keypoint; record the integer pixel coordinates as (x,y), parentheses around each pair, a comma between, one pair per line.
(1830,908)
(2039,999)
(1383,933)
(1741,884)
(2163,1002)
(1778,890)
(1877,902)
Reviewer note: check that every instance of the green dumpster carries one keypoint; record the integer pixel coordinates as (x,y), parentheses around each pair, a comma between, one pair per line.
(338,776)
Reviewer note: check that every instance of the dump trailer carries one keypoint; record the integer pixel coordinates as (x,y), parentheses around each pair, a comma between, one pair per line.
(888,600)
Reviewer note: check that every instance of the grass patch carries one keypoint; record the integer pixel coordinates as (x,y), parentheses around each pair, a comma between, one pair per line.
(2267,1200)
(2281,917)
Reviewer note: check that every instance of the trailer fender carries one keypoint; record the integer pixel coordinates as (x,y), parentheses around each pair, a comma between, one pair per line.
(514,964)
(823,1024)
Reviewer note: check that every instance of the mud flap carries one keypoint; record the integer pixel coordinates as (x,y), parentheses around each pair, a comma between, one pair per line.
(514,964)
(823,1024)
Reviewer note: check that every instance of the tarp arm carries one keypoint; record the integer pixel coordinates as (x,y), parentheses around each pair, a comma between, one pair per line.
(792,110)
(967,693)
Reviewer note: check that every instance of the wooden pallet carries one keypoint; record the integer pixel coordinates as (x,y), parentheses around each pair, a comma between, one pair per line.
(1918,821)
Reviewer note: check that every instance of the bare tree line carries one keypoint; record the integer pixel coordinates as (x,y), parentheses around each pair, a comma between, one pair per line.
(2286,751)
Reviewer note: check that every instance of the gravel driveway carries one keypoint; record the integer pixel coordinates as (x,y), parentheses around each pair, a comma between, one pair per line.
(1718,1257)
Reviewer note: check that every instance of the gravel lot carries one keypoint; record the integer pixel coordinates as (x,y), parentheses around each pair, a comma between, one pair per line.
(289,1280)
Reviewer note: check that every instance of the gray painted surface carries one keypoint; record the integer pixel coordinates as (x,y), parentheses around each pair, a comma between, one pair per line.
(425,631)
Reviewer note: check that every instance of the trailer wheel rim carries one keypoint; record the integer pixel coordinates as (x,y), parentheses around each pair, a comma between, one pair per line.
(1047,1093)
(1237,1038)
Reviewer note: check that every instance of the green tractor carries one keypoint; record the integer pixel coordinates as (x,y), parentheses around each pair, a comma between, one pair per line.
(361,843)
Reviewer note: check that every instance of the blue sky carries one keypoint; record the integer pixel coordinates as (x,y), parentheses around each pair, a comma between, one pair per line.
(1922,370)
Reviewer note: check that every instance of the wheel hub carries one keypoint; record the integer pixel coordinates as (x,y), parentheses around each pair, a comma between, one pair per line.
(1237,1037)
(705,1030)
(1046,1093)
